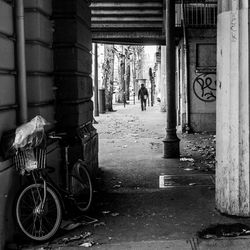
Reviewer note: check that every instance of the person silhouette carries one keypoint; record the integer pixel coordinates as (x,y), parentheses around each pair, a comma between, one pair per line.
(143,96)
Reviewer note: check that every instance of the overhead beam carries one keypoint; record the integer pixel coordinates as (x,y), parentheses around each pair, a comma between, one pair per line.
(139,37)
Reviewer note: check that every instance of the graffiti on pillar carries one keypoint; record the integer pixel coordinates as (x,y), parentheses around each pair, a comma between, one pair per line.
(233,27)
(204,87)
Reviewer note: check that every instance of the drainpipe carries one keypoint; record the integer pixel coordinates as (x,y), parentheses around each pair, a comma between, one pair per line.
(96,80)
(21,65)
(185,52)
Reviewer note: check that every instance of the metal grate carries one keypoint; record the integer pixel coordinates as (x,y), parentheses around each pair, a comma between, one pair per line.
(197,13)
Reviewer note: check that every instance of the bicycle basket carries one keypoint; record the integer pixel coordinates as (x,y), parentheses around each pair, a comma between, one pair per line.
(30,159)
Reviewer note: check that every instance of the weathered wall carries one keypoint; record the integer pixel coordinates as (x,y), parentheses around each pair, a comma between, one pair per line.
(73,66)
(7,68)
(232,125)
(201,79)
(70,71)
(39,58)
(7,117)
(73,62)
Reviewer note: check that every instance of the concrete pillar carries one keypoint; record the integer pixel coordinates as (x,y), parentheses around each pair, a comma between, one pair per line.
(171,141)
(233,140)
(73,62)
(39,59)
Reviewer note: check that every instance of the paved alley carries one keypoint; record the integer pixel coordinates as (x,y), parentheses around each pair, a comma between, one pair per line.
(131,210)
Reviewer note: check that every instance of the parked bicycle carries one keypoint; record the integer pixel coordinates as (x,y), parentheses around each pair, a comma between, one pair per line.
(40,205)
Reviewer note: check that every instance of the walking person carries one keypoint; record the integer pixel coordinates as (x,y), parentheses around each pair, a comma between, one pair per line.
(143,96)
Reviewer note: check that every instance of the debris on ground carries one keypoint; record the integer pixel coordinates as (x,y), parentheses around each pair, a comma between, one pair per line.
(187,159)
(192,184)
(87,244)
(76,222)
(71,226)
(99,224)
(75,238)
(114,214)
(224,230)
(201,146)
(188,169)
(105,212)
(155,145)
(42,248)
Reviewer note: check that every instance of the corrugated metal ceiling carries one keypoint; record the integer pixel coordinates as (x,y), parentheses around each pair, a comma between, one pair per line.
(127,21)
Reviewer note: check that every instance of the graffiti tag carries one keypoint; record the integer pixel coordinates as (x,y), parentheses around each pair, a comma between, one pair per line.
(204,87)
(234,24)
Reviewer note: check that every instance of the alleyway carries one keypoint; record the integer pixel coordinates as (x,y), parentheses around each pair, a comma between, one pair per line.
(132,211)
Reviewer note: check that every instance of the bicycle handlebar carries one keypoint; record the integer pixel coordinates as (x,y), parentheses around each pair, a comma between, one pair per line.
(57,136)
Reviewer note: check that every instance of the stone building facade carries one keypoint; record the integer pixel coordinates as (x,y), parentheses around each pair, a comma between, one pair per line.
(59,87)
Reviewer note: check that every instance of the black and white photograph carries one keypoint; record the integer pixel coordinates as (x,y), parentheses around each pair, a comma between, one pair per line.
(125,125)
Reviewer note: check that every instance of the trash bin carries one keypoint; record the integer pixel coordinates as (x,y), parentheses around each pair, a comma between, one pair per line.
(102,103)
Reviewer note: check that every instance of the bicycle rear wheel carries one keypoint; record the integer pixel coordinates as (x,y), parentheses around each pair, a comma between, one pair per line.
(36,220)
(81,187)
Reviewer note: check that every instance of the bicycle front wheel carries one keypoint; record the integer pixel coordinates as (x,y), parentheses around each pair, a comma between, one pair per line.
(38,218)
(81,187)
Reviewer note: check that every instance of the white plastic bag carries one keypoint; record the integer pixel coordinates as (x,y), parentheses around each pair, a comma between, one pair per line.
(30,134)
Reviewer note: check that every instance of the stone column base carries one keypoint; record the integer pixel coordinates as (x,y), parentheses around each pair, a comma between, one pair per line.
(171,147)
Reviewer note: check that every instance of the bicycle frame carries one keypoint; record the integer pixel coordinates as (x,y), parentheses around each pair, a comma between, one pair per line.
(41,206)
(41,203)
(66,158)
(42,175)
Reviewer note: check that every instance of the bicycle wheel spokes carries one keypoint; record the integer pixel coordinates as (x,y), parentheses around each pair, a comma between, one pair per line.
(46,216)
(81,187)
(36,197)
(80,192)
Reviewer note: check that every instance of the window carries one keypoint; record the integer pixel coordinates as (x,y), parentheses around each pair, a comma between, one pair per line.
(205,57)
